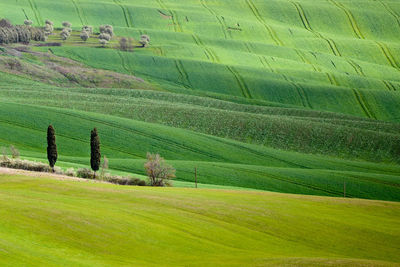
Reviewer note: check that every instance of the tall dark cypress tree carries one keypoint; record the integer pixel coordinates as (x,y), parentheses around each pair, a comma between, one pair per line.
(95,155)
(51,147)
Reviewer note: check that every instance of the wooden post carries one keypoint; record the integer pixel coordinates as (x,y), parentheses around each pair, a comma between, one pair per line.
(344,189)
(195,176)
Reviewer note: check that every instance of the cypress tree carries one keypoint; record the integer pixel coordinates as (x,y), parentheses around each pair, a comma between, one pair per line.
(51,147)
(95,155)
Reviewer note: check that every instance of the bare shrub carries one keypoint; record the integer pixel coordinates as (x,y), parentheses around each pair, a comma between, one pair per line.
(66,24)
(28,22)
(88,29)
(103,42)
(125,44)
(4,156)
(105,36)
(14,152)
(49,22)
(84,173)
(84,36)
(70,172)
(5,23)
(64,34)
(25,165)
(14,64)
(159,173)
(104,167)
(107,29)
(144,40)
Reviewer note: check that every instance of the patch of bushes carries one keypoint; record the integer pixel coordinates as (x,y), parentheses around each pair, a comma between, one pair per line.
(25,165)
(21,34)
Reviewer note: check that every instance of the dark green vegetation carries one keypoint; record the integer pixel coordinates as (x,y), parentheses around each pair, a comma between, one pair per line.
(52,223)
(285,96)
(51,146)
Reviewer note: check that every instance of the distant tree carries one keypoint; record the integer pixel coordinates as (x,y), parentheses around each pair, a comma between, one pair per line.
(107,29)
(144,40)
(64,34)
(28,22)
(159,173)
(4,156)
(95,155)
(51,147)
(105,36)
(14,152)
(48,27)
(84,36)
(125,44)
(66,24)
(103,42)
(88,29)
(5,23)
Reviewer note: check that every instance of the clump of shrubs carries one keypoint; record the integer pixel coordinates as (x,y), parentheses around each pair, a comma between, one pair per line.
(115,179)
(20,33)
(86,32)
(108,29)
(25,165)
(28,22)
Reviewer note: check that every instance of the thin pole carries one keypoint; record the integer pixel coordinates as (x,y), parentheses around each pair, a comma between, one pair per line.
(344,188)
(195,175)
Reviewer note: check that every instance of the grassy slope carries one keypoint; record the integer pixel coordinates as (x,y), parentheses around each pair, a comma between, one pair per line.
(341,56)
(52,222)
(290,72)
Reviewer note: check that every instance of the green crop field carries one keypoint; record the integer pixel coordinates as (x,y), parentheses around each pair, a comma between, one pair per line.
(51,222)
(280,107)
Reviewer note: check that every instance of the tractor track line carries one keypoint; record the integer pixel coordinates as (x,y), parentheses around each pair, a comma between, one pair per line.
(302,16)
(184,76)
(389,85)
(352,20)
(124,11)
(150,136)
(212,12)
(386,52)
(35,11)
(257,14)
(361,102)
(394,14)
(332,79)
(240,81)
(177,26)
(356,67)
(208,51)
(77,11)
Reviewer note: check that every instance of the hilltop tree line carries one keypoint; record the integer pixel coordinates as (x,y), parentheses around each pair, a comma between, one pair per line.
(26,33)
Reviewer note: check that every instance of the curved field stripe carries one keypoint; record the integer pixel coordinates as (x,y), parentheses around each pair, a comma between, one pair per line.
(221,22)
(175,22)
(35,12)
(351,18)
(169,142)
(208,51)
(271,32)
(66,137)
(302,16)
(303,95)
(362,104)
(386,52)
(356,67)
(305,60)
(184,76)
(264,61)
(391,12)
(240,81)
(123,63)
(125,11)
(332,79)
(389,85)
(80,15)
(290,181)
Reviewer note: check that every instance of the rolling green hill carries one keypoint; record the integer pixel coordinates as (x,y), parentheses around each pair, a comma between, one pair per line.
(51,222)
(287,96)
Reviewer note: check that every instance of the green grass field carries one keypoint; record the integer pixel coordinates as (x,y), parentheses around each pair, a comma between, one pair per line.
(51,222)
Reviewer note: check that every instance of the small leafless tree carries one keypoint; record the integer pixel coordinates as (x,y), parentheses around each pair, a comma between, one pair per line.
(84,36)
(105,36)
(144,40)
(125,44)
(14,152)
(159,173)
(104,167)
(66,24)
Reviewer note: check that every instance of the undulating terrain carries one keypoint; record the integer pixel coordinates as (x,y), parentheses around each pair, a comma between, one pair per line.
(298,97)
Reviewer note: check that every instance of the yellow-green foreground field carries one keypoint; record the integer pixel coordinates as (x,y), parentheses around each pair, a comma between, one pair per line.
(44,221)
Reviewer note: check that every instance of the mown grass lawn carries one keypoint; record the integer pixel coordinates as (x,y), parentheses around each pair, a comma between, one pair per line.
(52,222)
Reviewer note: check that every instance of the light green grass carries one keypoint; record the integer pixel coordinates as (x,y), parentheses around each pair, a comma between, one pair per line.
(50,222)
